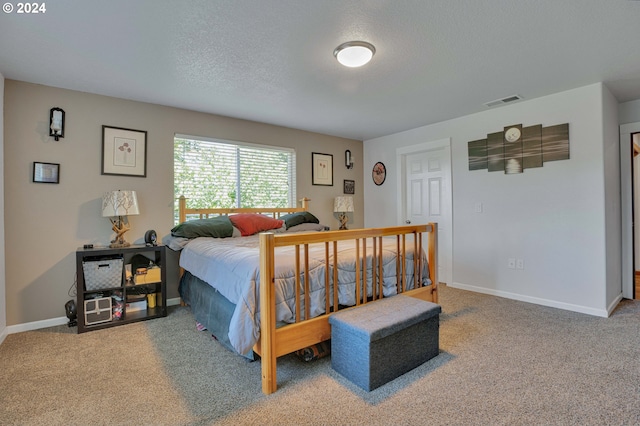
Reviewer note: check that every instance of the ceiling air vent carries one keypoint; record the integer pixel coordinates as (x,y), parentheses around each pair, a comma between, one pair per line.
(503,101)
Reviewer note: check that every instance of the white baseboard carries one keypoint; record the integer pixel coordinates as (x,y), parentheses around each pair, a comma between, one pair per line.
(36,325)
(613,304)
(3,334)
(537,300)
(173,302)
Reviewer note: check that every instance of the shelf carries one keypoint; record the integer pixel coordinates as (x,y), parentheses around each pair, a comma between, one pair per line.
(144,314)
(156,255)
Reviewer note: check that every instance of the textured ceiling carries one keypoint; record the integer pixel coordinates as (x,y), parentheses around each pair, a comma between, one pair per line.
(272,61)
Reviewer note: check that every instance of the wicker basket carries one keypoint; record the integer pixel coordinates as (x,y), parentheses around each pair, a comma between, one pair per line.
(102,273)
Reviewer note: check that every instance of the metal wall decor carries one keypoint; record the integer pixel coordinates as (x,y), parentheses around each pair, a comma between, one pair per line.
(516,148)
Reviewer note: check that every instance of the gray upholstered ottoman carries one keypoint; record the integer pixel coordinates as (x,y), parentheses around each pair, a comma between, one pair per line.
(380,341)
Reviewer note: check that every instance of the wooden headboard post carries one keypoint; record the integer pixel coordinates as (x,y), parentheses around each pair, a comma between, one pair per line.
(305,203)
(182,206)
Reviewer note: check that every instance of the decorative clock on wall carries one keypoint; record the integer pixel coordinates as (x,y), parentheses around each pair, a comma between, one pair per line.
(519,147)
(512,134)
(379,173)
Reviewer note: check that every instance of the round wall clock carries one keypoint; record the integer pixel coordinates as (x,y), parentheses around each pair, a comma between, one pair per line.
(512,134)
(379,173)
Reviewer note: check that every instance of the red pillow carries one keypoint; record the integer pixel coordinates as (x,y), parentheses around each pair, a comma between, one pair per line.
(250,223)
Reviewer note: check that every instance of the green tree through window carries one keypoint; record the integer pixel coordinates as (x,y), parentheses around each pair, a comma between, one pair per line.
(213,173)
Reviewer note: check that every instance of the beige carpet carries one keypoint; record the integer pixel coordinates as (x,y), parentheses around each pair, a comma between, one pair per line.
(502,362)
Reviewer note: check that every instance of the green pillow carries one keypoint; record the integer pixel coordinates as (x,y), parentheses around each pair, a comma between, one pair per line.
(293,219)
(217,227)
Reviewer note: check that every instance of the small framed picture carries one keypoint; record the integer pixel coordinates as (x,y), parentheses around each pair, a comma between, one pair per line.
(124,151)
(349,186)
(46,172)
(322,169)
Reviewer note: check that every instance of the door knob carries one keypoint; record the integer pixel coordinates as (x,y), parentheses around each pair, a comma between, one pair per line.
(407,221)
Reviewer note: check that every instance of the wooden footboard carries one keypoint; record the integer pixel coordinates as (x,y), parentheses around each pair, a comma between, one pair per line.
(275,342)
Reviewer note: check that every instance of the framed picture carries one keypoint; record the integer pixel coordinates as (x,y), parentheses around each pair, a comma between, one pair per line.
(124,152)
(349,186)
(379,173)
(46,172)
(322,169)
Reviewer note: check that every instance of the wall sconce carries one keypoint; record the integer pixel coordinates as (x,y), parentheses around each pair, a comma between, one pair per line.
(348,160)
(56,123)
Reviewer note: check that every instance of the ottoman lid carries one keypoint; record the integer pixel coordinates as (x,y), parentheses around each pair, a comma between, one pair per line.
(384,317)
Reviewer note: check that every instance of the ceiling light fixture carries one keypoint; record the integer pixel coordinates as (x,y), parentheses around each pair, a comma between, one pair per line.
(354,54)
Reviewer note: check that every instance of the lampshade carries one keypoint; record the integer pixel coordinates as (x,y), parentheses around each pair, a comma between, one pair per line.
(343,205)
(119,203)
(354,54)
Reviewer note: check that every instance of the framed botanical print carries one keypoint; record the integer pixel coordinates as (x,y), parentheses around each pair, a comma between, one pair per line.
(124,152)
(322,169)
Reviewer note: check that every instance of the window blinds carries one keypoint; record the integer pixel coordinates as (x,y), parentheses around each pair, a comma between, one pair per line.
(215,173)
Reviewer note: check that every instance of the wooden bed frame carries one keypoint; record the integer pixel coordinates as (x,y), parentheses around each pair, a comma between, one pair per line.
(275,342)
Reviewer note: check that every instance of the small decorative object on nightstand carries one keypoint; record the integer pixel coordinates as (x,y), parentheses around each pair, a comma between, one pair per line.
(119,204)
(343,205)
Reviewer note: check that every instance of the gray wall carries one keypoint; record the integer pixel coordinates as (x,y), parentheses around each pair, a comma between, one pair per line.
(46,223)
(553,217)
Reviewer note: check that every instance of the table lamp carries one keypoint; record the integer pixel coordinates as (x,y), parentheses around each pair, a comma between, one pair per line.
(343,205)
(117,206)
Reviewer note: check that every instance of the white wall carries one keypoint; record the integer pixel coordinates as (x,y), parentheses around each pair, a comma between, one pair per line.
(553,217)
(612,199)
(629,112)
(3,296)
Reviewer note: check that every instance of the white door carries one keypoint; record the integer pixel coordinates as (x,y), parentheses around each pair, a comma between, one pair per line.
(428,199)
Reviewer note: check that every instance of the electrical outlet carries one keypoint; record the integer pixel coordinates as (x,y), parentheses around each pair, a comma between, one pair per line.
(519,264)
(511,263)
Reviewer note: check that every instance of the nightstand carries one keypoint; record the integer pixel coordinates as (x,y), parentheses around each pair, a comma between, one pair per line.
(105,298)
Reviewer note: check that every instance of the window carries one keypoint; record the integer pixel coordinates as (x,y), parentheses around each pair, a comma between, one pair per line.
(216,173)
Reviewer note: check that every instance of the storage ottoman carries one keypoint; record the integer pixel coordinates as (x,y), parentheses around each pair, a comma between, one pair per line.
(375,343)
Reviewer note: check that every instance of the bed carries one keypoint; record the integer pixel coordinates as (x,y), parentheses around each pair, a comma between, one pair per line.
(271,291)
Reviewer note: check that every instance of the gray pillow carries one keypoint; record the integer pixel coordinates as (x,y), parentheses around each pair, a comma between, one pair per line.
(308,227)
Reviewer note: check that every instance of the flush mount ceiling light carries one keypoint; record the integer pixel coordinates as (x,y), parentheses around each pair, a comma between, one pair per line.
(354,53)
